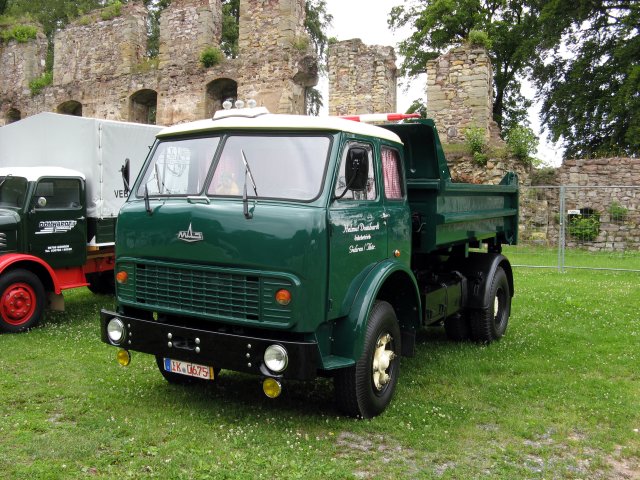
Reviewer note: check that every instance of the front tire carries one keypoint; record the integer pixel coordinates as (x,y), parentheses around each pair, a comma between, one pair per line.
(489,324)
(21,301)
(365,390)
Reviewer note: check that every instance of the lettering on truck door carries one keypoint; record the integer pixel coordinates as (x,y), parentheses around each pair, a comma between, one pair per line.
(357,221)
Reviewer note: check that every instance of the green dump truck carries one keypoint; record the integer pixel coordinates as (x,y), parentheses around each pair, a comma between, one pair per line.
(293,247)
(60,191)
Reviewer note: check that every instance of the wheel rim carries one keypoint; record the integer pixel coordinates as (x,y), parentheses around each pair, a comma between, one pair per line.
(18,303)
(498,308)
(382,358)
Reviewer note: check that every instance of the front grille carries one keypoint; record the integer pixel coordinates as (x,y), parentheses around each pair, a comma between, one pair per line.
(209,292)
(3,240)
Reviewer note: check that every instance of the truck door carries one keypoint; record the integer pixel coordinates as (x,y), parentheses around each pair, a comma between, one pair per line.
(57,222)
(396,206)
(357,222)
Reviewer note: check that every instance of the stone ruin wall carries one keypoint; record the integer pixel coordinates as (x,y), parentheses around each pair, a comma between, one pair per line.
(100,66)
(588,184)
(460,93)
(362,78)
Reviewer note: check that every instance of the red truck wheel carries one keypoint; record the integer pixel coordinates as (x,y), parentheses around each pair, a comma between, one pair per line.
(21,301)
(366,389)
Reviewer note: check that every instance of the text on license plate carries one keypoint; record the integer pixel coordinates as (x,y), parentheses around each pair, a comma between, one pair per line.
(190,369)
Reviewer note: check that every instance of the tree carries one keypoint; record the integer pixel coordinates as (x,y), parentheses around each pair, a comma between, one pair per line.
(589,76)
(511,27)
(52,14)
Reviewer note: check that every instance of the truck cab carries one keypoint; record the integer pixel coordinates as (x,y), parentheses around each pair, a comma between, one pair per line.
(290,247)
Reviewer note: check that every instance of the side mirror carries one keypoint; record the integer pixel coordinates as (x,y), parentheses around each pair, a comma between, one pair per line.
(357,169)
(125,175)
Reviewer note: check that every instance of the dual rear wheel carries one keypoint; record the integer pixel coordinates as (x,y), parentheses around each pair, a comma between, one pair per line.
(486,324)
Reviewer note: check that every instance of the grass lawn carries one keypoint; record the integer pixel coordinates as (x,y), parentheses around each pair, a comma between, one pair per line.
(557,397)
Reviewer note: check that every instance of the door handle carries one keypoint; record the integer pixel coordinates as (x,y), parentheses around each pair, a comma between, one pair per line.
(385,215)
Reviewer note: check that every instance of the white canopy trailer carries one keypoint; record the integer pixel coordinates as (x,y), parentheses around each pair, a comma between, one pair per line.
(96,148)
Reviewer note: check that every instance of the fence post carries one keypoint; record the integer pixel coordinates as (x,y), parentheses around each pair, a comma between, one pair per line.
(562,229)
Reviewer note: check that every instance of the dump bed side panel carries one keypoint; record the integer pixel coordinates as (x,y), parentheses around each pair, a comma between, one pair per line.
(445,213)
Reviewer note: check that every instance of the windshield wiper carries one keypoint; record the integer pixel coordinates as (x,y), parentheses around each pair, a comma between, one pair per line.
(245,200)
(147,207)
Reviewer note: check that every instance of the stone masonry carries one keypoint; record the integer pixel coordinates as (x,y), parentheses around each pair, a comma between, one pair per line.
(100,69)
(460,93)
(362,78)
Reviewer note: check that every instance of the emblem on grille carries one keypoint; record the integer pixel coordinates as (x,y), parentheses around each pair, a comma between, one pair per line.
(190,236)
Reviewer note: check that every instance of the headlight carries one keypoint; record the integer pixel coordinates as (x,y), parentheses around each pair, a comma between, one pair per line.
(115,331)
(276,358)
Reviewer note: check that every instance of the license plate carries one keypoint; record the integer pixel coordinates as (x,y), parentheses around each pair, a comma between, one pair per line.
(189,369)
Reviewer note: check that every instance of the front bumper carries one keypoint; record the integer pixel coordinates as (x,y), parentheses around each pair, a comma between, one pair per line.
(216,349)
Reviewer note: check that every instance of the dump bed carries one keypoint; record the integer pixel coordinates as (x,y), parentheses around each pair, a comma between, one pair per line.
(97,148)
(444,213)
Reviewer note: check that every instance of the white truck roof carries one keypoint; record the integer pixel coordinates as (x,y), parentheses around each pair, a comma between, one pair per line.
(96,148)
(32,174)
(259,118)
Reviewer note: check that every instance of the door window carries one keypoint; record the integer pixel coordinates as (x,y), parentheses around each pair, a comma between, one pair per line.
(392,170)
(356,178)
(58,193)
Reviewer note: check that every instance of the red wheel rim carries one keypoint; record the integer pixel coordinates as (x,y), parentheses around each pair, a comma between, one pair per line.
(18,304)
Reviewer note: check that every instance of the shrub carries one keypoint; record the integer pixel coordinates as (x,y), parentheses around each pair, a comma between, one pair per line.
(37,84)
(586,226)
(618,212)
(211,56)
(480,158)
(475,140)
(20,33)
(479,38)
(522,143)
(111,11)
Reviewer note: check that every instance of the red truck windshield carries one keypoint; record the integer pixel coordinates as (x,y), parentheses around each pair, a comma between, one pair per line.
(288,167)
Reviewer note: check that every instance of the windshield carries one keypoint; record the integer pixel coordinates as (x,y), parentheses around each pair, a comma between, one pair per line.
(286,167)
(12,191)
(179,167)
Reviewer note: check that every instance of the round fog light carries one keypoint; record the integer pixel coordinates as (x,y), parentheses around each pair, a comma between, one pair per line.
(115,331)
(271,387)
(276,358)
(124,357)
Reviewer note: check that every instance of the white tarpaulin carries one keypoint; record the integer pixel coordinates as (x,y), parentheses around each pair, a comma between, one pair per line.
(97,148)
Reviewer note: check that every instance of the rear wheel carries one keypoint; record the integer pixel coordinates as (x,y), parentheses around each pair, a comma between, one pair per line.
(178,379)
(21,301)
(489,324)
(366,389)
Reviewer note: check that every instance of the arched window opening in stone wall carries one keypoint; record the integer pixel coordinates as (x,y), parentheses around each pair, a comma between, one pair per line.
(217,92)
(13,115)
(70,107)
(143,106)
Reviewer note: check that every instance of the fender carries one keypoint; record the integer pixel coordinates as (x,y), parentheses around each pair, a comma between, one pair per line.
(349,332)
(11,259)
(478,267)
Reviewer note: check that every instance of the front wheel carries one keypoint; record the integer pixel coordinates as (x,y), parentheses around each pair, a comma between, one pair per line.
(21,301)
(365,390)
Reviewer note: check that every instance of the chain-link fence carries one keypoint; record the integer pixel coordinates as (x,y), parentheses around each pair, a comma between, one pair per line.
(592,227)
